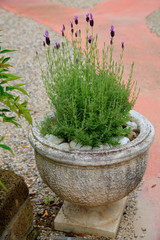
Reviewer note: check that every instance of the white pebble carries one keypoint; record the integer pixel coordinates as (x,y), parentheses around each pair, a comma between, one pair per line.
(86,148)
(64,146)
(54,139)
(132,125)
(106,146)
(75,145)
(98,148)
(124,140)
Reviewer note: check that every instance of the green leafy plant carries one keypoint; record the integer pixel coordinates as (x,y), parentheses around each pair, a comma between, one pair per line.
(91,101)
(48,200)
(10,105)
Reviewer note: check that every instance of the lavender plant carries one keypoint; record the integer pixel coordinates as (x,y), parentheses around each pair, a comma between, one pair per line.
(91,101)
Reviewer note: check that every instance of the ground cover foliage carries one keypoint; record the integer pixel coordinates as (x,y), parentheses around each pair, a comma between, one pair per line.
(90,99)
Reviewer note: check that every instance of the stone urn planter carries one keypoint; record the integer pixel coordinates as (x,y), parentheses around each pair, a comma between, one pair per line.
(94,183)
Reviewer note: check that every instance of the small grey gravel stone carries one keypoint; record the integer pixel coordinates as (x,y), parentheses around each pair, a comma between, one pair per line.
(143,229)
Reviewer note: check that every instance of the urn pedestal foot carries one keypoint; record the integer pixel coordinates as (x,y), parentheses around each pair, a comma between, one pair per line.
(99,221)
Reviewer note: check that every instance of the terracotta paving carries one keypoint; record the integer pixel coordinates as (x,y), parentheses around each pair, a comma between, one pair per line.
(141,46)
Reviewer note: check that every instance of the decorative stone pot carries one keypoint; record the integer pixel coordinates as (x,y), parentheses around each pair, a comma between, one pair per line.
(93,182)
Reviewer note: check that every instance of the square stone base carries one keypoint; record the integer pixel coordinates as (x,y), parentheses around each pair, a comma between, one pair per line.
(99,221)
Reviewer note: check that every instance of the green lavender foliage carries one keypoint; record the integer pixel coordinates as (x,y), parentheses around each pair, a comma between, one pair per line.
(91,100)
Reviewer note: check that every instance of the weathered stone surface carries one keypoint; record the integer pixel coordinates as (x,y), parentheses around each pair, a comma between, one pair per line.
(100,221)
(11,201)
(20,224)
(94,178)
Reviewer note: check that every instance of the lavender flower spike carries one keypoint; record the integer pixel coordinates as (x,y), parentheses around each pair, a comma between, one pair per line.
(46,34)
(122,45)
(57,46)
(112,31)
(87,17)
(47,37)
(76,20)
(76,34)
(112,28)
(90,39)
(71,24)
(62,31)
(91,20)
(44,43)
(111,41)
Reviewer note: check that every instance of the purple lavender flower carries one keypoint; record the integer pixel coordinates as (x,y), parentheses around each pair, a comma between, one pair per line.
(76,34)
(57,46)
(79,31)
(44,43)
(71,24)
(64,27)
(122,45)
(87,17)
(77,60)
(112,31)
(90,39)
(72,30)
(46,34)
(91,20)
(62,31)
(111,41)
(47,37)
(47,41)
(76,20)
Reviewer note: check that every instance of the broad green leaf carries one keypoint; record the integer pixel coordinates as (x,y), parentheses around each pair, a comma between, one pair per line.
(6,148)
(3,186)
(1,59)
(28,117)
(19,85)
(1,70)
(17,88)
(24,104)
(4,110)
(6,51)
(11,77)
(22,90)
(2,139)
(10,120)
(1,91)
(6,59)
(16,99)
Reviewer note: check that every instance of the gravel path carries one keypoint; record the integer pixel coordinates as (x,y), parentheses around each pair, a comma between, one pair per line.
(26,36)
(78,4)
(153,22)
